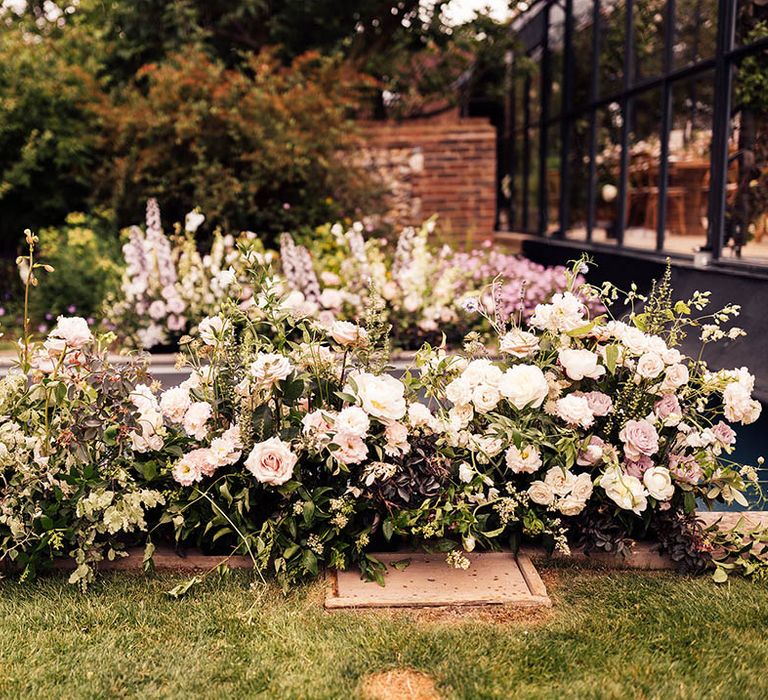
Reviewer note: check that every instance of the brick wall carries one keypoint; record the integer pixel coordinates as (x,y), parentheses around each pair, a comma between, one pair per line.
(445,167)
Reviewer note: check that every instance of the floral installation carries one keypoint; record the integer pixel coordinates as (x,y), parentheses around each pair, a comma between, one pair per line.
(292,444)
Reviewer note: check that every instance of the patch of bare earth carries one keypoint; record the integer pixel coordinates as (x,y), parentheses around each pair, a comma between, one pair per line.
(399,684)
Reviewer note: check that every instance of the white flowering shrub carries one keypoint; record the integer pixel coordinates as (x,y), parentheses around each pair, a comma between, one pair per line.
(168,286)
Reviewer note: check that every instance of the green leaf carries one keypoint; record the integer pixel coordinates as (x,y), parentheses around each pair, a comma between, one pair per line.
(309,512)
(110,435)
(221,532)
(292,390)
(401,564)
(611,357)
(720,575)
(149,551)
(388,529)
(682,309)
(689,502)
(183,588)
(309,560)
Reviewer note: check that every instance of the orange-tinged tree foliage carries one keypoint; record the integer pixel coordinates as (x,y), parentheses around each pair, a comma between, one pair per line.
(262,148)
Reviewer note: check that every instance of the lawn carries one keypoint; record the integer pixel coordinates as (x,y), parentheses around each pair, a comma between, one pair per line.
(610,635)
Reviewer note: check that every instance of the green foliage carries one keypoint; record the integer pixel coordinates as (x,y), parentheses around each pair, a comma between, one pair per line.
(84,253)
(263,148)
(47,132)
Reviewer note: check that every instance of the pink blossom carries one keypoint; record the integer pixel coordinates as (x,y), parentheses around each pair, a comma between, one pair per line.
(724,434)
(638,467)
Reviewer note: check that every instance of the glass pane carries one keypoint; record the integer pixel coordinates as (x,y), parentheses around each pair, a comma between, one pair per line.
(518,179)
(607,161)
(746,225)
(582,52)
(690,138)
(648,18)
(643,173)
(751,21)
(534,87)
(612,26)
(578,166)
(695,31)
(532,224)
(553,178)
(556,45)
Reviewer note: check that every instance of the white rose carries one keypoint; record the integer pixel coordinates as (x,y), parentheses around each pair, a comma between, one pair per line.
(582,487)
(459,416)
(575,410)
(174,403)
(352,420)
(419,416)
(525,461)
(212,329)
(346,333)
(269,368)
(564,313)
(73,331)
(658,481)
(524,386)
(519,343)
(271,462)
(559,480)
(624,490)
(459,392)
(579,364)
(675,377)
(485,398)
(480,372)
(541,493)
(650,365)
(570,505)
(380,396)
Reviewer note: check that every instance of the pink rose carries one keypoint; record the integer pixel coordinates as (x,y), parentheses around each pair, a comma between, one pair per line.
(666,406)
(638,467)
(685,469)
(639,438)
(271,462)
(599,403)
(724,434)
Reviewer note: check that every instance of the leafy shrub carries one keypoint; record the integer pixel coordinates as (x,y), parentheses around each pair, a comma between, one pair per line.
(84,253)
(260,148)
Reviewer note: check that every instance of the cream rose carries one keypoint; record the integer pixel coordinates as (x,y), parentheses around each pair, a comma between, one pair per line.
(541,493)
(624,490)
(346,333)
(212,329)
(519,343)
(675,377)
(582,487)
(580,364)
(650,365)
(559,480)
(570,505)
(485,398)
(658,481)
(271,461)
(381,396)
(524,386)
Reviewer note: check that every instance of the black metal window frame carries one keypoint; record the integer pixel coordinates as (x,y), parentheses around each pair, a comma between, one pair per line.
(726,57)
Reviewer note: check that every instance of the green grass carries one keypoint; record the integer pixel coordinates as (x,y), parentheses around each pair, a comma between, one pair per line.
(610,635)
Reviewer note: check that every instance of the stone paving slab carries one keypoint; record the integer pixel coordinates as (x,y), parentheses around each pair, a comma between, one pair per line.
(424,580)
